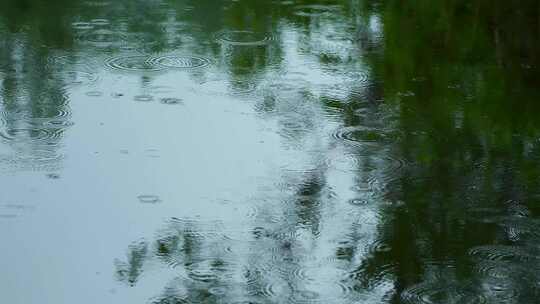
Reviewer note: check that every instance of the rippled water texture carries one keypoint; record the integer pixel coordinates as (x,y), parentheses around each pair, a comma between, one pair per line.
(250,152)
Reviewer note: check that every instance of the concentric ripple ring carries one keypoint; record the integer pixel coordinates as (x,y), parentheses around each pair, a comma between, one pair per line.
(179,62)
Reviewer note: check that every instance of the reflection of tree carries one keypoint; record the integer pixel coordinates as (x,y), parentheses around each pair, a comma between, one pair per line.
(442,99)
(464,105)
(129,272)
(34,110)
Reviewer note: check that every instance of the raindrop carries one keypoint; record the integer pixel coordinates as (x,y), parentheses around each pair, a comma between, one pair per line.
(53,176)
(149,199)
(144,98)
(243,38)
(94,94)
(359,202)
(171,101)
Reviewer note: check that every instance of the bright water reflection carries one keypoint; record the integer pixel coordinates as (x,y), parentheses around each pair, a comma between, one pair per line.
(269,151)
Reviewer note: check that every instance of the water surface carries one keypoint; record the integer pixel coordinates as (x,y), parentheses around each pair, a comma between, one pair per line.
(226,152)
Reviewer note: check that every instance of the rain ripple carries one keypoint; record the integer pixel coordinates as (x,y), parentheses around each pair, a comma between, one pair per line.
(141,63)
(76,78)
(133,63)
(149,199)
(503,253)
(322,293)
(361,135)
(442,292)
(102,36)
(210,270)
(31,134)
(243,38)
(171,101)
(179,62)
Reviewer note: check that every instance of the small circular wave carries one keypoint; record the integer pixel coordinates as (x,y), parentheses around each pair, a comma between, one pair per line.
(353,90)
(218,290)
(171,101)
(252,277)
(241,87)
(263,214)
(64,62)
(435,292)
(344,161)
(169,299)
(79,78)
(502,253)
(103,36)
(94,94)
(149,199)
(323,273)
(31,135)
(322,293)
(58,123)
(237,88)
(48,115)
(243,38)
(40,157)
(359,202)
(372,278)
(386,169)
(494,270)
(179,62)
(503,292)
(521,227)
(82,26)
(197,228)
(144,98)
(133,63)
(266,289)
(208,271)
(360,135)
(100,22)
(379,247)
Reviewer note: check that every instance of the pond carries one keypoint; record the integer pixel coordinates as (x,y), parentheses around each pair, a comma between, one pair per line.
(213,151)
